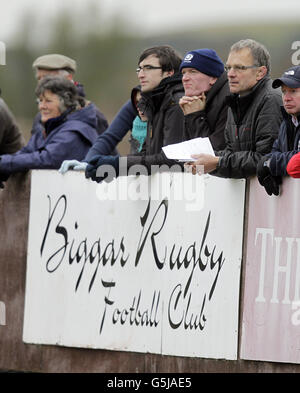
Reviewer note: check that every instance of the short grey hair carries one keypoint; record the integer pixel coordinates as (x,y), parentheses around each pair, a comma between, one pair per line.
(60,72)
(259,52)
(64,89)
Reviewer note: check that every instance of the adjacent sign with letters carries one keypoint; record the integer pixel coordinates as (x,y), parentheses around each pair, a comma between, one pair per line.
(271,310)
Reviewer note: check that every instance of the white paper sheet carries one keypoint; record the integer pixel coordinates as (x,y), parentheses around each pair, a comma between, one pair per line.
(183,151)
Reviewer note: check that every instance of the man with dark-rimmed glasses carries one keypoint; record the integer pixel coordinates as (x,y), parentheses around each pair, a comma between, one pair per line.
(254,114)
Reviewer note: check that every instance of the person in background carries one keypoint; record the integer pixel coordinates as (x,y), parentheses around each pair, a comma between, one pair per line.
(284,158)
(139,125)
(254,114)
(69,129)
(205,87)
(128,118)
(57,64)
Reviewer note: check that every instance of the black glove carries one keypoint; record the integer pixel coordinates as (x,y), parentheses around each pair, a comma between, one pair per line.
(94,171)
(266,179)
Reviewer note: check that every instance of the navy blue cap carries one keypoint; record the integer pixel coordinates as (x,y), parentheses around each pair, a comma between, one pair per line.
(203,60)
(290,78)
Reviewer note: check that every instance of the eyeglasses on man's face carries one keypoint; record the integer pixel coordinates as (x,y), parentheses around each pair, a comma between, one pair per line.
(239,68)
(147,68)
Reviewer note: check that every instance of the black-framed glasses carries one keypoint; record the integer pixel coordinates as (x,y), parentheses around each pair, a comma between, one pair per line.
(240,68)
(147,68)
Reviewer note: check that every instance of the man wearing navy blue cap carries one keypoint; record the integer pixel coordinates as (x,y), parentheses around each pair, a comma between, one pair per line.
(206,87)
(254,115)
(287,145)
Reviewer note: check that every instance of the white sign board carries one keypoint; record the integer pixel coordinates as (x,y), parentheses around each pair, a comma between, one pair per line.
(146,275)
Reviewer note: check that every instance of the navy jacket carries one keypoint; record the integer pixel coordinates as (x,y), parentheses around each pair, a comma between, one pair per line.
(64,138)
(285,146)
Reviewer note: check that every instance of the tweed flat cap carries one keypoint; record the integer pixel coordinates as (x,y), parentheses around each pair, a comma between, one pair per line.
(55,62)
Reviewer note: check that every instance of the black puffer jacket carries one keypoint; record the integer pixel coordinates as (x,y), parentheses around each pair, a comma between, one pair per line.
(252,126)
(211,121)
(165,120)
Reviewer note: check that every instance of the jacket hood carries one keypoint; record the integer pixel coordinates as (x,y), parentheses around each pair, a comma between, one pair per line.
(169,85)
(86,115)
(240,104)
(83,120)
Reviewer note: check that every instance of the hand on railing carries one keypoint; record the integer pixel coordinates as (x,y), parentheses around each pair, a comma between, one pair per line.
(72,165)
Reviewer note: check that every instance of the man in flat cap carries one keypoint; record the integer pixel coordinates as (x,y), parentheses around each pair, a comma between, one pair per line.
(56,64)
(287,145)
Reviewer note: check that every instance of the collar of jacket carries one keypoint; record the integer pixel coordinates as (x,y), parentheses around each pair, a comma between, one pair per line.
(155,97)
(134,92)
(233,97)
(54,122)
(286,116)
(240,104)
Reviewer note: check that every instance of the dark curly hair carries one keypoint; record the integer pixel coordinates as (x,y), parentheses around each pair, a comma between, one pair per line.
(64,89)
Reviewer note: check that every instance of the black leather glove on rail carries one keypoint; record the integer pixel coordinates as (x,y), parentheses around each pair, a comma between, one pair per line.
(266,179)
(98,173)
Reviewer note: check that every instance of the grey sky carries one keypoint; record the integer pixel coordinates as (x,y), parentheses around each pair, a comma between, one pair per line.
(153,16)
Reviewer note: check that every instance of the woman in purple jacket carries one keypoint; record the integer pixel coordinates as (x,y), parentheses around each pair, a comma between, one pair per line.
(69,130)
